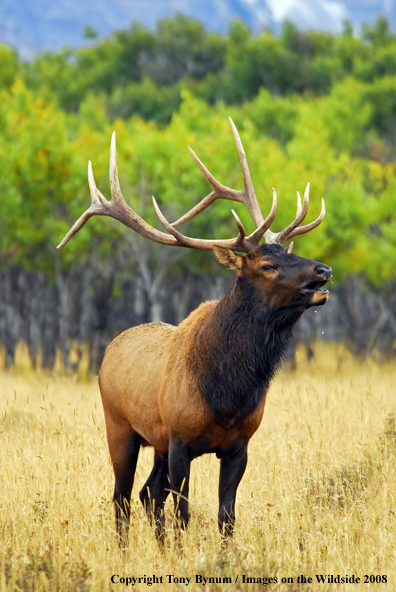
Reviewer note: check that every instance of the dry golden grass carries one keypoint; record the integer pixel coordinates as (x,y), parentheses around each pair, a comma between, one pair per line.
(318,496)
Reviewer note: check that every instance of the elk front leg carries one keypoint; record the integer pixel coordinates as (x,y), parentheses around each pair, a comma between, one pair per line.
(232,467)
(179,474)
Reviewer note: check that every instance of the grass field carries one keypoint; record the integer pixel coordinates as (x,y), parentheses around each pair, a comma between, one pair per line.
(318,496)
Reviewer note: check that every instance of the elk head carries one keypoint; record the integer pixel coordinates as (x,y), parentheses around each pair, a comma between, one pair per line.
(282,280)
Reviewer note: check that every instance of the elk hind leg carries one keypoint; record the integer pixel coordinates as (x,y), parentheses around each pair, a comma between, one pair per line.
(154,493)
(124,445)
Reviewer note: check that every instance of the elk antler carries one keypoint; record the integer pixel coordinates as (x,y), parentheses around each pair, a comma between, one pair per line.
(118,208)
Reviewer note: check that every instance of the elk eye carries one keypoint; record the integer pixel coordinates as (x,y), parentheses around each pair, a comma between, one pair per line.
(267,267)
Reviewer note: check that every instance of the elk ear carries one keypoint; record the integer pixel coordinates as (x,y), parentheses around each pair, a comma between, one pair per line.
(228,258)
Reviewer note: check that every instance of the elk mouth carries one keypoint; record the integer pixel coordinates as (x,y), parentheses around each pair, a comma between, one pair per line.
(314,290)
(315,286)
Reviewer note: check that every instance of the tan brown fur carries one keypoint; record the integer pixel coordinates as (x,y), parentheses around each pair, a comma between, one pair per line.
(130,380)
(153,392)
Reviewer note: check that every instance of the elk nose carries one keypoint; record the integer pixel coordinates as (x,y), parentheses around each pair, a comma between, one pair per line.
(323,270)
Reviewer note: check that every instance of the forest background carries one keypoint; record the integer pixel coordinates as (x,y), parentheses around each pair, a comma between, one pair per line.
(309,107)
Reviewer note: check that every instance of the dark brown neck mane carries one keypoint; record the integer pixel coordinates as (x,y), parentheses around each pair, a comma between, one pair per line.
(238,349)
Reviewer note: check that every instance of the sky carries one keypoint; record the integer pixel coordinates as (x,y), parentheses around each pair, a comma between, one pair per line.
(33,26)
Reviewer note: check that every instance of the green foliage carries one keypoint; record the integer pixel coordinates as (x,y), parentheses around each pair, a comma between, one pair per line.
(309,107)
(90,32)
(52,76)
(379,34)
(37,178)
(381,97)
(182,54)
(184,49)
(273,116)
(254,63)
(145,99)
(9,66)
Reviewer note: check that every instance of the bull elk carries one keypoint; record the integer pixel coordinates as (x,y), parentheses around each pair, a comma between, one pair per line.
(201,387)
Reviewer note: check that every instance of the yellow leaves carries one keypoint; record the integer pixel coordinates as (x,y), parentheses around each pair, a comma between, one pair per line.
(355,257)
(378,175)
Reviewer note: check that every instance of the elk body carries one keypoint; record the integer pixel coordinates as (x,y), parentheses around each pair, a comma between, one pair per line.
(201,387)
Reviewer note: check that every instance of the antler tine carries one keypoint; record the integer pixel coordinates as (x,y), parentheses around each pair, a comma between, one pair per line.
(219,191)
(299,207)
(263,228)
(98,201)
(229,193)
(311,225)
(246,195)
(249,193)
(92,187)
(290,230)
(242,231)
(181,239)
(115,189)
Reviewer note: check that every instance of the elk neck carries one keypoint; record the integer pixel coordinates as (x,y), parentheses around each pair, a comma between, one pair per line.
(238,349)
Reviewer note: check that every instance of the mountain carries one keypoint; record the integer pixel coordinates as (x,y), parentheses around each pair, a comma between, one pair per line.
(32,27)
